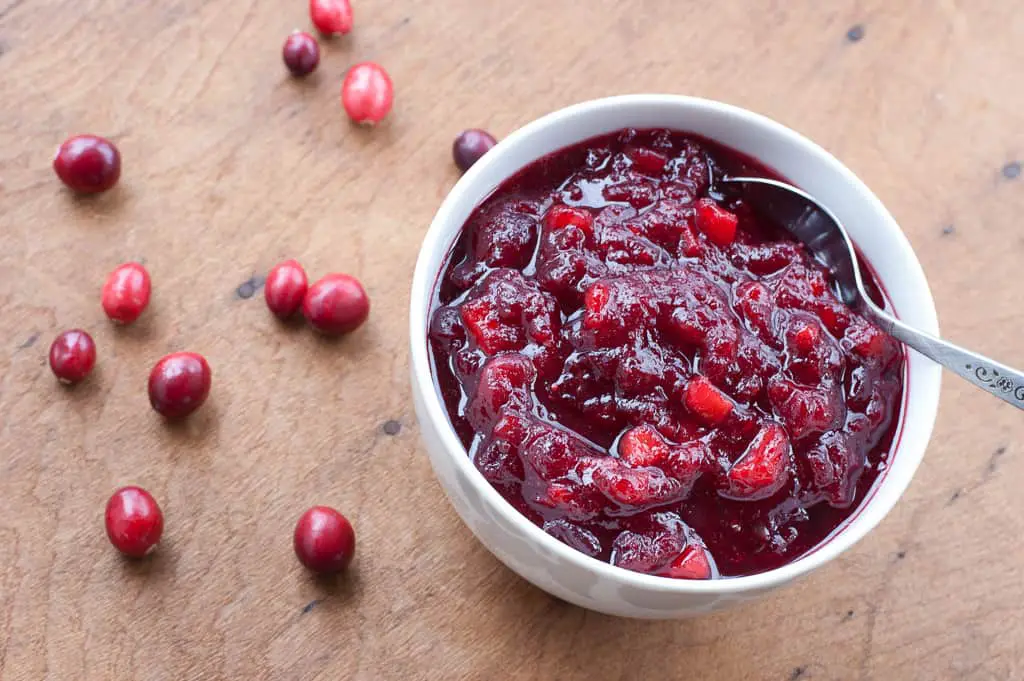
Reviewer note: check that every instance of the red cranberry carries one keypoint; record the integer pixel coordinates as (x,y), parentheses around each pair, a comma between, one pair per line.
(762,470)
(643,446)
(469,146)
(88,164)
(647,161)
(301,53)
(126,293)
(367,93)
(693,563)
(134,521)
(715,221)
(560,217)
(285,288)
(636,486)
(705,400)
(504,380)
(331,17)
(72,356)
(336,304)
(324,540)
(179,384)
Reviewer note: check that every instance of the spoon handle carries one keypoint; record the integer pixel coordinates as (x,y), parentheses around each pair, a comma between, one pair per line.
(998,379)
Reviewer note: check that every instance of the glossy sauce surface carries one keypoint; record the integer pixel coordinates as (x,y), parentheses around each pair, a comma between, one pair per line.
(651,372)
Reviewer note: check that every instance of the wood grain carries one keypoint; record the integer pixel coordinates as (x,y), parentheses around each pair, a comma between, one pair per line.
(230,166)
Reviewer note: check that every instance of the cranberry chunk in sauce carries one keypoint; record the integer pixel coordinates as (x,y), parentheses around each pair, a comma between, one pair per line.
(650,371)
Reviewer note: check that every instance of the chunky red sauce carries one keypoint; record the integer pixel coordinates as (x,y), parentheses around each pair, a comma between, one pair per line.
(651,372)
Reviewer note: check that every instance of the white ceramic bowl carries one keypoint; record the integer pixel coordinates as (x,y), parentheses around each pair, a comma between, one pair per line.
(527,549)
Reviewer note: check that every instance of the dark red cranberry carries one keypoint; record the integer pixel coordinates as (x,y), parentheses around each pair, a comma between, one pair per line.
(72,356)
(367,93)
(336,304)
(285,288)
(88,164)
(134,521)
(324,540)
(301,53)
(331,17)
(470,145)
(126,293)
(179,384)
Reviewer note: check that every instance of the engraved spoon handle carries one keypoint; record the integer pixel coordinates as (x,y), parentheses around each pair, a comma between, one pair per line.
(998,379)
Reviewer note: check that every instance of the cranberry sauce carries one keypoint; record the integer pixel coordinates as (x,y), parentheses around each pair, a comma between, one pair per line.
(653,374)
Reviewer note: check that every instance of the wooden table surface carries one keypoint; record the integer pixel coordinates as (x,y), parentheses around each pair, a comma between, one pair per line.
(230,166)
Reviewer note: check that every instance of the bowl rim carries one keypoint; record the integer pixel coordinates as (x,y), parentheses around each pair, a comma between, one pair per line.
(425,276)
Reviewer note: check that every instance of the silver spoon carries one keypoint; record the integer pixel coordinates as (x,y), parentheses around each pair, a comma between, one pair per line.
(820,230)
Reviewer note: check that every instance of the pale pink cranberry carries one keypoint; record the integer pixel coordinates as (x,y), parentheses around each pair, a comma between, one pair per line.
(179,384)
(72,356)
(336,304)
(367,93)
(324,540)
(126,293)
(285,288)
(469,146)
(301,53)
(134,521)
(331,17)
(88,164)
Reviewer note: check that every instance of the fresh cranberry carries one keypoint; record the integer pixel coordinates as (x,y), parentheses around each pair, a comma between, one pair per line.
(134,521)
(469,146)
(331,17)
(336,304)
(655,379)
(179,384)
(301,53)
(72,356)
(367,93)
(126,293)
(285,288)
(324,540)
(88,164)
